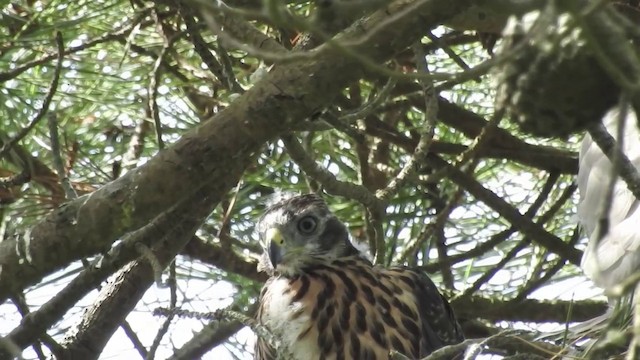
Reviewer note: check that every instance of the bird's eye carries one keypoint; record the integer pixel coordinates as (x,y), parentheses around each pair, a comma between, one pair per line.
(307,224)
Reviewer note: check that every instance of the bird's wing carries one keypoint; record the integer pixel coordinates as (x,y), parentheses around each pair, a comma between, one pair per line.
(593,192)
(438,324)
(615,256)
(595,171)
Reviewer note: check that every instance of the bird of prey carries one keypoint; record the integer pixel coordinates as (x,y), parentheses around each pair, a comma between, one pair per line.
(613,258)
(325,300)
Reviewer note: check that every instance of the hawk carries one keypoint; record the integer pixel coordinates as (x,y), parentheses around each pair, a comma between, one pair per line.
(325,300)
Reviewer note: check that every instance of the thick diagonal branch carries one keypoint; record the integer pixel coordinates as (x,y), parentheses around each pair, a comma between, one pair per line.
(215,153)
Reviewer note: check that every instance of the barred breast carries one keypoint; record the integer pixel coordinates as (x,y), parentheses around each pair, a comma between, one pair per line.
(346,310)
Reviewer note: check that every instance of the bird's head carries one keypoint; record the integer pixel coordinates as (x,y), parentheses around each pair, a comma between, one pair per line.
(299,232)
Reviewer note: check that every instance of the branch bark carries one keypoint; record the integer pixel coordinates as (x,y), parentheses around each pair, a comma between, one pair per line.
(167,227)
(217,152)
(118,299)
(528,310)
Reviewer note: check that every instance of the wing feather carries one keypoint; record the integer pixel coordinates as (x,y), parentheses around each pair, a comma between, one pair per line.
(616,256)
(437,321)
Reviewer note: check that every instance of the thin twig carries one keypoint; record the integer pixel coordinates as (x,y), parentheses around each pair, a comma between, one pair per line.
(370,106)
(135,340)
(172,305)
(153,83)
(269,55)
(53,87)
(200,45)
(23,308)
(497,267)
(327,179)
(429,230)
(227,70)
(479,250)
(471,152)
(441,239)
(352,131)
(536,283)
(426,130)
(237,28)
(148,254)
(58,164)
(436,40)
(231,314)
(524,224)
(136,144)
(513,252)
(212,334)
(74,49)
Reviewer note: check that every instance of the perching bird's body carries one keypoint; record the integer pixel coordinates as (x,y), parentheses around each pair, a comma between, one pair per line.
(617,255)
(324,300)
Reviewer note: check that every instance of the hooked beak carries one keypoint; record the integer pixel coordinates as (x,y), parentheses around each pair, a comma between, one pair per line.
(275,240)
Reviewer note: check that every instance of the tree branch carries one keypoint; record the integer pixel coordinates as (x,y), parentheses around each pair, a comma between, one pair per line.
(217,152)
(535,231)
(116,300)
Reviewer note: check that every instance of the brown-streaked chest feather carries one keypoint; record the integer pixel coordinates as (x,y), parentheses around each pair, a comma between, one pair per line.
(346,310)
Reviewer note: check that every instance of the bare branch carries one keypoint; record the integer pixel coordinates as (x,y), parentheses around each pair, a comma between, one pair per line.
(327,179)
(426,131)
(526,226)
(137,344)
(172,305)
(165,227)
(116,300)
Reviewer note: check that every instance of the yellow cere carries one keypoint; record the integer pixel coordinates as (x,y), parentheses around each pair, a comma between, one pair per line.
(274,235)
